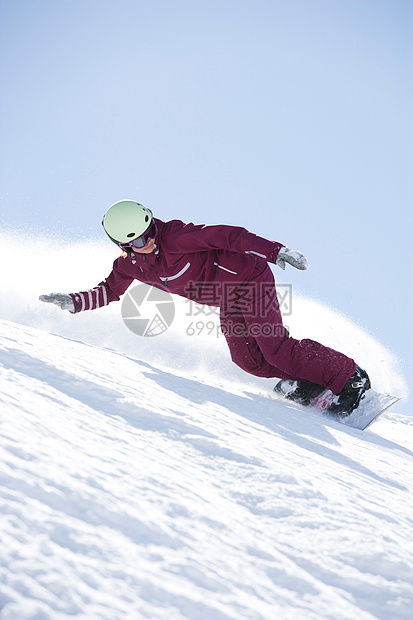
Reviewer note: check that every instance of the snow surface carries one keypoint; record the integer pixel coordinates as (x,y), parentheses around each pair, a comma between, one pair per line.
(129,491)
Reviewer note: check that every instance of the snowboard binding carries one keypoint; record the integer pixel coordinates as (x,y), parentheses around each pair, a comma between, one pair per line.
(311,394)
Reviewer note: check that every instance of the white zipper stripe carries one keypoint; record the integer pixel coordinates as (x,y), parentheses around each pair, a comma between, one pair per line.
(177,275)
(82,297)
(256,254)
(225,269)
(105,295)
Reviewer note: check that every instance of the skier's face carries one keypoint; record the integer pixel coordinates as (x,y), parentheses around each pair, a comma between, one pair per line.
(147,249)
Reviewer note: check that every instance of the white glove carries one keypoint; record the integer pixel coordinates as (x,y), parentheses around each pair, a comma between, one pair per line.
(62,300)
(292,257)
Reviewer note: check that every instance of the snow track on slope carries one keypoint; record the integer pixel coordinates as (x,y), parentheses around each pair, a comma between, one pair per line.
(131,492)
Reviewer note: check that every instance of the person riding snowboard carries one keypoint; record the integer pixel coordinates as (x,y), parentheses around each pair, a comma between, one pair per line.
(224,266)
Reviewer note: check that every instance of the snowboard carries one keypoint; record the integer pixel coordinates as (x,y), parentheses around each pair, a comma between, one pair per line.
(371,406)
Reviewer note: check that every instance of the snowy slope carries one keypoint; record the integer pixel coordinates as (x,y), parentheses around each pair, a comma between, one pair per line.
(131,492)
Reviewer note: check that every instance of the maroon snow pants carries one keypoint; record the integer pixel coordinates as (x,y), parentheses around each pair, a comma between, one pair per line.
(259,343)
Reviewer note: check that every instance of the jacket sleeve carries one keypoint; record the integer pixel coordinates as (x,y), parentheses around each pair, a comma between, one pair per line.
(109,290)
(198,238)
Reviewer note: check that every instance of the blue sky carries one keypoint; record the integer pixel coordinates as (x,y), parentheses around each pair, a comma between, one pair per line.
(291,118)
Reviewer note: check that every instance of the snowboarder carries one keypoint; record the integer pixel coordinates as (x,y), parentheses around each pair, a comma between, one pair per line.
(224,266)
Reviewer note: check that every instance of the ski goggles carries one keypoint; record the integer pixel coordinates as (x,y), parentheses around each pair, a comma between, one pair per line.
(142,240)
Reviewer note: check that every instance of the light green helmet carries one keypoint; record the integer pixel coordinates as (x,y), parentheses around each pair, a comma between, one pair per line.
(126,220)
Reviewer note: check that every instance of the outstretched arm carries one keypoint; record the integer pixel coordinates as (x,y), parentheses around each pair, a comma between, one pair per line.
(193,238)
(198,237)
(109,290)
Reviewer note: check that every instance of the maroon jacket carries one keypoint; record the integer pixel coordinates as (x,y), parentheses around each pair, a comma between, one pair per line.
(190,260)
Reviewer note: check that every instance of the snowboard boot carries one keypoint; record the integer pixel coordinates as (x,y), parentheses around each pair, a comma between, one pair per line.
(352,393)
(301,392)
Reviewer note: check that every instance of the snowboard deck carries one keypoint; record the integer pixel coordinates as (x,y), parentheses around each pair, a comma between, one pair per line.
(371,406)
